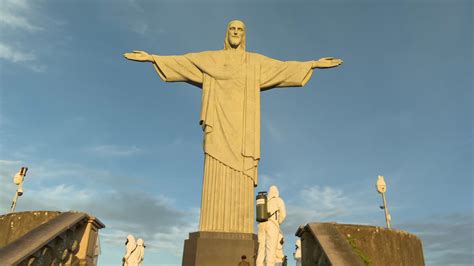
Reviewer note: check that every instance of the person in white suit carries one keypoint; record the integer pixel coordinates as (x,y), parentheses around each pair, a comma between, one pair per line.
(269,231)
(130,246)
(297,253)
(136,257)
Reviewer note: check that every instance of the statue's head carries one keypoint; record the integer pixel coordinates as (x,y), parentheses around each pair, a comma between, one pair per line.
(273,192)
(131,240)
(235,36)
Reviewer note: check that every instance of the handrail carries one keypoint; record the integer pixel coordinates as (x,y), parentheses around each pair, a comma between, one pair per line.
(48,238)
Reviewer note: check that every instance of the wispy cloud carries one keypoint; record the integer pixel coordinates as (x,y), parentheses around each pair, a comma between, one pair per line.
(137,22)
(152,217)
(139,214)
(330,201)
(113,150)
(8,163)
(18,18)
(139,27)
(447,240)
(316,204)
(14,55)
(15,14)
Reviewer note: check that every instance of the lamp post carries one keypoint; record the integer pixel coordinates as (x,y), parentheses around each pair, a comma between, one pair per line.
(382,188)
(18,180)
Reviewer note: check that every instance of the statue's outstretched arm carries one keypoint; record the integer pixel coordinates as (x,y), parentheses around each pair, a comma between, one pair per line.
(327,62)
(170,68)
(140,56)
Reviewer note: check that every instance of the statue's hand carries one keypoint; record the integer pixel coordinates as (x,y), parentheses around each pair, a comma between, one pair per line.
(327,62)
(140,56)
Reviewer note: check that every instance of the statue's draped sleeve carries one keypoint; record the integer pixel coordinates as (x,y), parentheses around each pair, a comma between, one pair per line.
(200,69)
(275,73)
(172,68)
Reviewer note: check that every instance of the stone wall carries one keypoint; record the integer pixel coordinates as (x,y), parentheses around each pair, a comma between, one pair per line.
(331,244)
(15,225)
(382,246)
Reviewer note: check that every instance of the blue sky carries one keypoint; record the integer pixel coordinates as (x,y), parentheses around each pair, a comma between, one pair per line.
(106,136)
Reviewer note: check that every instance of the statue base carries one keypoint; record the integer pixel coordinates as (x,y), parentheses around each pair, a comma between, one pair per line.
(219,249)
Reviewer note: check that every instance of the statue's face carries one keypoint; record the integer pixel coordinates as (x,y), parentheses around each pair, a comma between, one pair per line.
(236,32)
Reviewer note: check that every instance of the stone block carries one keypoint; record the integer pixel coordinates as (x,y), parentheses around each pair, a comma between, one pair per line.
(219,249)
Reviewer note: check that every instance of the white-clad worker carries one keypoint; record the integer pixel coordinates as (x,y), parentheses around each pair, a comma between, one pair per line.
(297,253)
(269,231)
(130,246)
(137,255)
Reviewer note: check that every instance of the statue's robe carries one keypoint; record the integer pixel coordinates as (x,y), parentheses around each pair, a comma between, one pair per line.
(231,81)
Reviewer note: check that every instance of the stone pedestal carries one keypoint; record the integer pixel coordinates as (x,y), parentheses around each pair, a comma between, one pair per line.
(219,249)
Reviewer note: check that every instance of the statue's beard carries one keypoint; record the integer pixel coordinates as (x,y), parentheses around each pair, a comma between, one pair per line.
(235,42)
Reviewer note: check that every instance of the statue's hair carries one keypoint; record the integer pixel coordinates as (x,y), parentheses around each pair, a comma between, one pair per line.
(226,40)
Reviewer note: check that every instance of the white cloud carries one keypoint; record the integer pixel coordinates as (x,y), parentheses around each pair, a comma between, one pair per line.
(316,204)
(8,163)
(16,22)
(139,27)
(137,21)
(20,18)
(123,213)
(61,194)
(15,14)
(22,4)
(329,200)
(113,150)
(14,55)
(447,239)
(152,217)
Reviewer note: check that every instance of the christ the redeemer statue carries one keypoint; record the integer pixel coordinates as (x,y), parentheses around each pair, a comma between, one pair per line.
(231,82)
